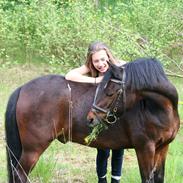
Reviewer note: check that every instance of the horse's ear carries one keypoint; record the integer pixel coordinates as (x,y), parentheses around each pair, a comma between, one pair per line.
(112,66)
(109,63)
(116,71)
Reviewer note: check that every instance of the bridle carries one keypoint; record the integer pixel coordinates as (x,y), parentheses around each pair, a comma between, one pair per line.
(111,113)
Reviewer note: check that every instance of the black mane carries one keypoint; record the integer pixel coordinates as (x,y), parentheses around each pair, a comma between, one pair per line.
(144,73)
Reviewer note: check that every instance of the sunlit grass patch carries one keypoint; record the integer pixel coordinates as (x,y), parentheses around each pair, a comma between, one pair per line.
(65,163)
(174,165)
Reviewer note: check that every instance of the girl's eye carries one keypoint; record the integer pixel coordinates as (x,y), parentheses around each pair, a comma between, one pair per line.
(95,61)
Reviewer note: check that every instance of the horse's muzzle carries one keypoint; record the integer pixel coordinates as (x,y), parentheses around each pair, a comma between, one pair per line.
(92,120)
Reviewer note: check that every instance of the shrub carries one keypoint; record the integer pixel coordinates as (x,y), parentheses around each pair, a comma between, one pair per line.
(60,31)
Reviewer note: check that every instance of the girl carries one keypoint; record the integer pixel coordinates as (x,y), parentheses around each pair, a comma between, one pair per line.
(92,71)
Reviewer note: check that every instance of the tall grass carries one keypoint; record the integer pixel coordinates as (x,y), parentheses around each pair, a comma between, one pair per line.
(66,163)
(179,86)
(174,163)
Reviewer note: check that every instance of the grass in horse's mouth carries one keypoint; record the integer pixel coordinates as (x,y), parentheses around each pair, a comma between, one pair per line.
(95,132)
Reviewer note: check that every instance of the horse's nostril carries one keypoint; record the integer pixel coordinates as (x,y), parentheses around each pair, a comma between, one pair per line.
(90,116)
(89,120)
(90,123)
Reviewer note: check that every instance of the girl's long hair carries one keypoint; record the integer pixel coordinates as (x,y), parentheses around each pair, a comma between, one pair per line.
(93,48)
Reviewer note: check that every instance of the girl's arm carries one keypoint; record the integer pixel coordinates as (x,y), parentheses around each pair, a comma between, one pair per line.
(78,75)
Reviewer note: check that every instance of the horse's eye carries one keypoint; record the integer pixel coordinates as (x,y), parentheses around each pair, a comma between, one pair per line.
(109,93)
(109,89)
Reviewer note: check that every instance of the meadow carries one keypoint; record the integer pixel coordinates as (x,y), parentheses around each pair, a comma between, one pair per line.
(62,163)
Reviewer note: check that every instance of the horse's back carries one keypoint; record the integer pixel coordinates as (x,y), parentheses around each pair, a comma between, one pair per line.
(49,86)
(48,83)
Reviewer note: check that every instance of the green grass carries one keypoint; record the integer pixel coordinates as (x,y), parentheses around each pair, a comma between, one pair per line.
(69,162)
(62,163)
(174,166)
(179,85)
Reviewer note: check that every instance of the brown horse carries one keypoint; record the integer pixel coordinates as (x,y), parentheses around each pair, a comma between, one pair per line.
(40,111)
(141,105)
(50,107)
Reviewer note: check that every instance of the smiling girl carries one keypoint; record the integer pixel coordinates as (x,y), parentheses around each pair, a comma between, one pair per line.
(97,63)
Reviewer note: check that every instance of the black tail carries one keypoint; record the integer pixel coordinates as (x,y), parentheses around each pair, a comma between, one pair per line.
(13,143)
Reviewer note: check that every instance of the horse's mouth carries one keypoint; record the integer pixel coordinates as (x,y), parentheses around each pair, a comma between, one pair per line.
(92,120)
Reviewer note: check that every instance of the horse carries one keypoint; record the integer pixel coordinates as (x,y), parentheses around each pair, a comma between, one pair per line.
(40,111)
(50,107)
(139,105)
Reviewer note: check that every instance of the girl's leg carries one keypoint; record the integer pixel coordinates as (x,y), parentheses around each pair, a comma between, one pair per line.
(116,164)
(101,164)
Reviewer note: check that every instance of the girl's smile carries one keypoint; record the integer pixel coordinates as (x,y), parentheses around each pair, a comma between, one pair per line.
(100,61)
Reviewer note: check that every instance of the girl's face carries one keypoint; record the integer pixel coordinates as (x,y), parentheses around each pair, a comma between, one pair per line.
(100,61)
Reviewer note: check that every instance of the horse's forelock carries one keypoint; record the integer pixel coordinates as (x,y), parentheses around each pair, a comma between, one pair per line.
(106,78)
(117,72)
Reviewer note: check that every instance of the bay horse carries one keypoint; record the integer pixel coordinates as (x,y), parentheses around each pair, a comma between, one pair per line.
(50,107)
(139,104)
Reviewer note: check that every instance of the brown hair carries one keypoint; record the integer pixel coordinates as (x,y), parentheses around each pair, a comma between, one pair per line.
(93,48)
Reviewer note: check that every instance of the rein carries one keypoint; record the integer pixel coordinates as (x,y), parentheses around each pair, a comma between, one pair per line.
(112,111)
(70,113)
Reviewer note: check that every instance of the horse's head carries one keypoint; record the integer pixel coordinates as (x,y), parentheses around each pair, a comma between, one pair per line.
(109,100)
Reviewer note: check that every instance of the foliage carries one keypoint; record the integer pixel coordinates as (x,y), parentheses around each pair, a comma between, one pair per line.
(95,132)
(60,31)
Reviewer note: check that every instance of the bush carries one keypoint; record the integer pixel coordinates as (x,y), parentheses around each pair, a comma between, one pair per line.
(60,31)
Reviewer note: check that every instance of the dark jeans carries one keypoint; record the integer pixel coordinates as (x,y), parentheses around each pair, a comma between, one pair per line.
(116,161)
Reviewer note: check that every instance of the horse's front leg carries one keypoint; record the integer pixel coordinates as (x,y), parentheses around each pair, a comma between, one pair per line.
(160,158)
(145,155)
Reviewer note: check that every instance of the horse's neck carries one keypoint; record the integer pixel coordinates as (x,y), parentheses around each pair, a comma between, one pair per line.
(80,91)
(81,96)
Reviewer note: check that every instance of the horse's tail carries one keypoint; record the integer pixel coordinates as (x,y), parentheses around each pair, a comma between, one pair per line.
(13,143)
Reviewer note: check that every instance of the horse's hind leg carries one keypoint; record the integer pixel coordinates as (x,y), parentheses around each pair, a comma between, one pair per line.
(160,158)
(27,161)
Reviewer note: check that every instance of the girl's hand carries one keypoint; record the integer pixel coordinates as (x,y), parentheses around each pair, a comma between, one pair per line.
(98,79)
